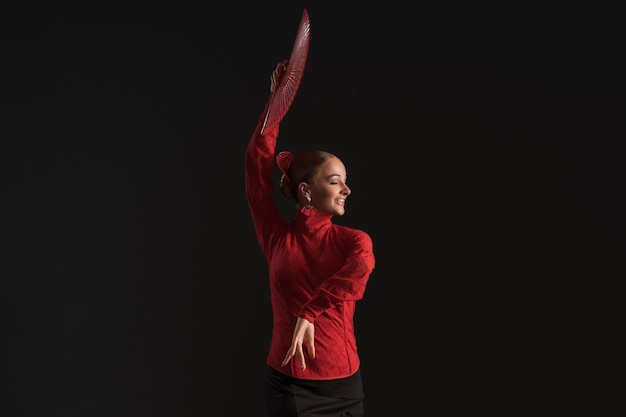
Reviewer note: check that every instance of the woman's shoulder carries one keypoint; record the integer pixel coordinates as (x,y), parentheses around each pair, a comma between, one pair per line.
(354,233)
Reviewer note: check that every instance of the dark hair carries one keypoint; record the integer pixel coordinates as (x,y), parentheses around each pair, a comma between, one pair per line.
(302,169)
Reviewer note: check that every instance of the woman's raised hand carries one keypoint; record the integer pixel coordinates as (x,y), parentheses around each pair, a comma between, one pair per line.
(277,74)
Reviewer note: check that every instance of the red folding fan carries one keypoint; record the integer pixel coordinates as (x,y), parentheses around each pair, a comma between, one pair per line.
(283,95)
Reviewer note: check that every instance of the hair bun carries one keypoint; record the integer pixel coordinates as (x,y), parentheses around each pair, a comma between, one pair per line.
(283,160)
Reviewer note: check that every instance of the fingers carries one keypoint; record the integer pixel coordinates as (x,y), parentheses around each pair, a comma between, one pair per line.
(280,69)
(282,65)
(296,350)
(288,356)
(311,349)
(301,357)
(277,74)
(304,334)
(274,79)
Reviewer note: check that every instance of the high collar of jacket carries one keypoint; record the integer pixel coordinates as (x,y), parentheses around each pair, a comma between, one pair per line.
(311,221)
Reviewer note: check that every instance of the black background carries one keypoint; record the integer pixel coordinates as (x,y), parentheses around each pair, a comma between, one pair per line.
(484,149)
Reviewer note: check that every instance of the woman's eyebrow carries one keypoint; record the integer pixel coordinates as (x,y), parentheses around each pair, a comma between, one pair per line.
(334,175)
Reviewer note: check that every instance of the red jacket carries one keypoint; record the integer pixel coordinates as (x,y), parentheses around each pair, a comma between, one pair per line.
(317,270)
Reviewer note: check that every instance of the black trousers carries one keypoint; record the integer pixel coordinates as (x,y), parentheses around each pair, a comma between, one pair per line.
(293,397)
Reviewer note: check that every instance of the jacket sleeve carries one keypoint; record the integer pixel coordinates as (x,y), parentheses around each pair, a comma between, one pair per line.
(259,165)
(347,284)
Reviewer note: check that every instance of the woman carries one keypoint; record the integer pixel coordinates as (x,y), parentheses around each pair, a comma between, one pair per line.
(317,272)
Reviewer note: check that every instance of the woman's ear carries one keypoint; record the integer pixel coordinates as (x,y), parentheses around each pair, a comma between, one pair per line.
(303,189)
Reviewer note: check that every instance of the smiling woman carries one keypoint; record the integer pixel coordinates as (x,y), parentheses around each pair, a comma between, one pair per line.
(318,270)
(314,178)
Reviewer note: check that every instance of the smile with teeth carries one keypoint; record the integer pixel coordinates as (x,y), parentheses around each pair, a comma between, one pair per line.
(341,201)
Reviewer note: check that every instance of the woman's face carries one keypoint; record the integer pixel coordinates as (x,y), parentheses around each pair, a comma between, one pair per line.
(328,189)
